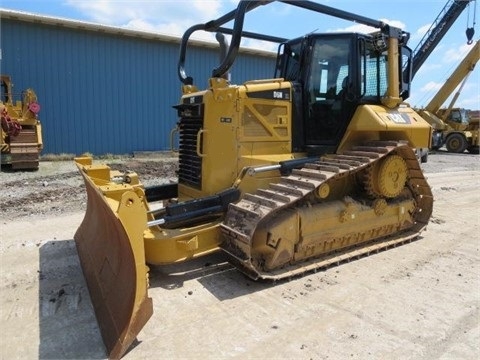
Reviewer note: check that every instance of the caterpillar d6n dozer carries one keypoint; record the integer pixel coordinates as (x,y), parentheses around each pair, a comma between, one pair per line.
(285,175)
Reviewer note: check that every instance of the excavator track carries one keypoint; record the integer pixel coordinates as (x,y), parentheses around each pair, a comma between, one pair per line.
(293,196)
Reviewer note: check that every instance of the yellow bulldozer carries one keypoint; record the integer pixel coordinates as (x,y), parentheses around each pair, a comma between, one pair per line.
(310,168)
(21,131)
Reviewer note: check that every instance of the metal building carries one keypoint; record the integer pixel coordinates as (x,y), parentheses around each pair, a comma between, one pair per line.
(104,89)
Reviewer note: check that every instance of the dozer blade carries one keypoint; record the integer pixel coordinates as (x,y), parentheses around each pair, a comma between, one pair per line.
(111,250)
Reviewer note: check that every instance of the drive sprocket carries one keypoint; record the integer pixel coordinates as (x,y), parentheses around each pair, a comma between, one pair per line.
(387,178)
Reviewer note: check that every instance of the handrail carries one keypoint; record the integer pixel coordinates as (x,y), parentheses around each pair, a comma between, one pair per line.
(238,15)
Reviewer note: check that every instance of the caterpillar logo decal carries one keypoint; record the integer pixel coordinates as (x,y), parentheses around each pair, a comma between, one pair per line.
(399,118)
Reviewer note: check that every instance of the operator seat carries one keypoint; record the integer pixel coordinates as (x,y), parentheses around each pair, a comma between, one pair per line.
(342,94)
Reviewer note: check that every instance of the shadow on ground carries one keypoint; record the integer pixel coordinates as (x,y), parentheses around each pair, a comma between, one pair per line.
(213,272)
(68,327)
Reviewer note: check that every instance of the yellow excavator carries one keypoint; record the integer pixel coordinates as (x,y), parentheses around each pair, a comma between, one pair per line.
(452,126)
(21,131)
(310,168)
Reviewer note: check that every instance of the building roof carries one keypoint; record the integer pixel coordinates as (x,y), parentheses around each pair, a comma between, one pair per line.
(108,29)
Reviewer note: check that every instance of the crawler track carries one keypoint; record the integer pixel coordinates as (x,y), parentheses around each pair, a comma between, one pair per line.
(292,192)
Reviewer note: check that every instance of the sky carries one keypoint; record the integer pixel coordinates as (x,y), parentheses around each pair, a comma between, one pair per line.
(173,17)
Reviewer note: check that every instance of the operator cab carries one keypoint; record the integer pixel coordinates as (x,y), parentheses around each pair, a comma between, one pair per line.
(331,75)
(459,116)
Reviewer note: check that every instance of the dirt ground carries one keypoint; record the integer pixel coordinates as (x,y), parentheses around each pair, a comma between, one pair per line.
(417,301)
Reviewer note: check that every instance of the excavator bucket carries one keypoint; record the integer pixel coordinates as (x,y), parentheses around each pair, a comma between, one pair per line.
(111,251)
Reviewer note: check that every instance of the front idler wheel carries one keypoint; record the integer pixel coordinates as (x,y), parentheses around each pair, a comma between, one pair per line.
(387,178)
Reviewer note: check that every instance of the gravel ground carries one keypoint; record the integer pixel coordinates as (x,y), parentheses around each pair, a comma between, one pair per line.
(57,187)
(418,301)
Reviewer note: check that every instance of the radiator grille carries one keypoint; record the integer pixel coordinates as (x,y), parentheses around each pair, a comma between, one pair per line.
(190,164)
